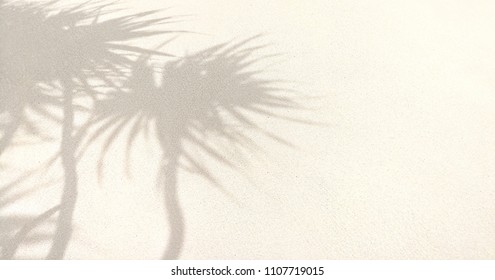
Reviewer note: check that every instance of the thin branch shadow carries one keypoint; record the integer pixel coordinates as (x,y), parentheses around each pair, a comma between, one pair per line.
(215,94)
(28,225)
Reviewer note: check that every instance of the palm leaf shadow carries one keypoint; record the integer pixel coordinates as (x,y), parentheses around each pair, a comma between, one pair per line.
(69,48)
(16,230)
(29,232)
(214,93)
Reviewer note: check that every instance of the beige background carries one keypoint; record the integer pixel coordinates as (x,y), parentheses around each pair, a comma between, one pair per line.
(403,169)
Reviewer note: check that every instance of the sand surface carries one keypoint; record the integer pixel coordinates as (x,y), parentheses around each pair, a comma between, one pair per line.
(401,167)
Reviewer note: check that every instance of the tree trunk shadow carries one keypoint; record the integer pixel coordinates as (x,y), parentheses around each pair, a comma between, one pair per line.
(9,132)
(175,214)
(63,231)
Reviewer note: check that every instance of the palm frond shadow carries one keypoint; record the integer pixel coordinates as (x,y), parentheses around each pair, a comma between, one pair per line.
(68,49)
(216,93)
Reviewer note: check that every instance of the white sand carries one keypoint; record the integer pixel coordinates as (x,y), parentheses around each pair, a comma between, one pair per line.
(404,169)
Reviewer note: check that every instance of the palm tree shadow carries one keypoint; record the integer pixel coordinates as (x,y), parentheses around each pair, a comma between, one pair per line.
(70,50)
(216,93)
